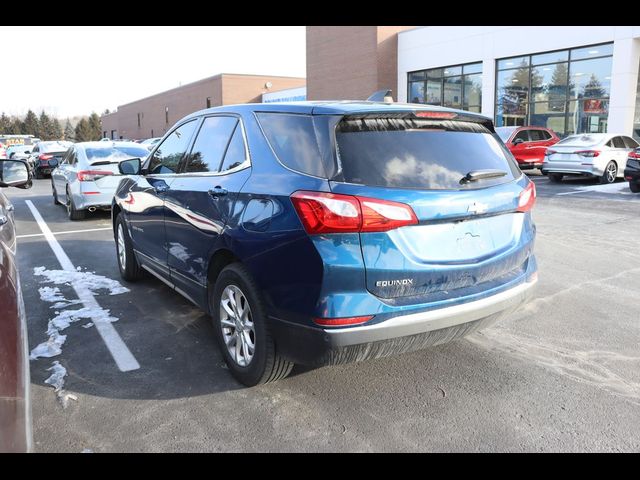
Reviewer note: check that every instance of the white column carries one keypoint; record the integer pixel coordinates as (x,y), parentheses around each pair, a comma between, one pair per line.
(624,83)
(488,86)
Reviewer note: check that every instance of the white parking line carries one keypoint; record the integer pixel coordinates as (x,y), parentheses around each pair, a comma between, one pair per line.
(119,351)
(63,232)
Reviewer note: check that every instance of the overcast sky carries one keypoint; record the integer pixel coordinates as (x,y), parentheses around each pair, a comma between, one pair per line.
(76,70)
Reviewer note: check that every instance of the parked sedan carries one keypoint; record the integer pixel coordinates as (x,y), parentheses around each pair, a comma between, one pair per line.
(330,232)
(87,177)
(600,155)
(528,144)
(46,155)
(15,408)
(632,171)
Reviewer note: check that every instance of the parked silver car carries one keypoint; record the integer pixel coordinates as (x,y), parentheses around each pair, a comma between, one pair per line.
(601,155)
(88,175)
(150,142)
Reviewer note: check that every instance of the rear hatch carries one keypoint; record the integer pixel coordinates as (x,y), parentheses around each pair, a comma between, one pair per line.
(464,188)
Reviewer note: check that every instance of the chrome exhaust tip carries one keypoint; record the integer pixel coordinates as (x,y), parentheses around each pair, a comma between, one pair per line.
(92,209)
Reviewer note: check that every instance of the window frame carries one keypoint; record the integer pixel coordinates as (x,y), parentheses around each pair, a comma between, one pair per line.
(145,166)
(247,161)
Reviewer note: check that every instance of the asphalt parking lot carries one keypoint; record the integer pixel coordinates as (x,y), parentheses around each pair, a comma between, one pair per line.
(561,375)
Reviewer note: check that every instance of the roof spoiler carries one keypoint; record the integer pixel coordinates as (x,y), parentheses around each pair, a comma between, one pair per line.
(381,96)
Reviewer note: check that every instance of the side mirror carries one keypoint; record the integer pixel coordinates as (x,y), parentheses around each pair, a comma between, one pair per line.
(13,173)
(518,141)
(130,167)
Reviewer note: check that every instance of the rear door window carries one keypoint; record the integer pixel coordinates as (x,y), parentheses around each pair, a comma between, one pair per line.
(521,135)
(210,144)
(419,154)
(537,135)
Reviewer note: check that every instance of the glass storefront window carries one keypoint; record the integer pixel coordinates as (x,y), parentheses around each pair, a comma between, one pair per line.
(567,91)
(453,92)
(457,86)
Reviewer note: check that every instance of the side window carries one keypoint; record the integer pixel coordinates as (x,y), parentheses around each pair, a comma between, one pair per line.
(618,142)
(210,144)
(67,156)
(522,135)
(293,139)
(35,149)
(537,135)
(167,156)
(546,135)
(236,153)
(630,142)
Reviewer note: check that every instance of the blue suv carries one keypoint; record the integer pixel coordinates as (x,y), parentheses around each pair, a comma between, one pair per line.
(329,232)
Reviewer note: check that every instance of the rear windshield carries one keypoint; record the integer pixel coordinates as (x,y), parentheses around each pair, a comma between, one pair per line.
(579,140)
(116,153)
(54,146)
(419,153)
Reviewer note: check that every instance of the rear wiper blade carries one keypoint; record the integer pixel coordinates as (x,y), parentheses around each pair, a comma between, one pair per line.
(476,175)
(103,162)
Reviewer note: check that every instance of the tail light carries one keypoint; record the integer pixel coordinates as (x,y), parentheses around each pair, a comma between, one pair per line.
(634,154)
(341,322)
(588,153)
(322,212)
(92,175)
(45,156)
(527,198)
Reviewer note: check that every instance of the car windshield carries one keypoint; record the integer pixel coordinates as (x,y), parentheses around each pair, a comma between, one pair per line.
(53,146)
(421,154)
(505,132)
(580,140)
(115,153)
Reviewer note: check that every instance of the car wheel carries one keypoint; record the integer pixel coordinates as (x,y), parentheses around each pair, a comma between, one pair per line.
(72,211)
(555,177)
(610,173)
(239,322)
(55,195)
(634,187)
(127,263)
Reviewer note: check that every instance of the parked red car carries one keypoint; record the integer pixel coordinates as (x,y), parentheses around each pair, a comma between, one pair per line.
(15,409)
(528,144)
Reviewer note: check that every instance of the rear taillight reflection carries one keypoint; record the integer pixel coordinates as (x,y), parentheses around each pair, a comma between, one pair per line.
(92,175)
(343,321)
(527,198)
(322,212)
(588,153)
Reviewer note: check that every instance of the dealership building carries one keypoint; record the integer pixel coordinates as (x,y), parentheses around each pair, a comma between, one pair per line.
(572,79)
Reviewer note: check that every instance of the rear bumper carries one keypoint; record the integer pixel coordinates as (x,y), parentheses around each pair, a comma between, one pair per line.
(572,168)
(101,201)
(316,346)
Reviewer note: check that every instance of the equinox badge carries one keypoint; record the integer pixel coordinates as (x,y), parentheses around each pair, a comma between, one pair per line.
(394,283)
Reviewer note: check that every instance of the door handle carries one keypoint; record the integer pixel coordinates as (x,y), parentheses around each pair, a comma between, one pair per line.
(218,192)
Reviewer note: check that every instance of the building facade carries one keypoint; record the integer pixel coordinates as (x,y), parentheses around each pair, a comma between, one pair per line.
(152,116)
(351,63)
(572,79)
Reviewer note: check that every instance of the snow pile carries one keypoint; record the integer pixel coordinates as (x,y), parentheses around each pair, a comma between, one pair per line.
(50,348)
(51,294)
(88,279)
(56,380)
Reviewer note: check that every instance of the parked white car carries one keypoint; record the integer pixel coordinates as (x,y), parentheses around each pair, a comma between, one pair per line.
(87,177)
(601,155)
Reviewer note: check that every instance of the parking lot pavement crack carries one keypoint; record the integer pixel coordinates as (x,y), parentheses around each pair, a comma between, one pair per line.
(585,366)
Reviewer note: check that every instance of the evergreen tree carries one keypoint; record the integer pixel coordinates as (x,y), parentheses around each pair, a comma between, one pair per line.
(593,88)
(69,132)
(95,126)
(56,129)
(31,126)
(44,127)
(17,126)
(5,123)
(83,131)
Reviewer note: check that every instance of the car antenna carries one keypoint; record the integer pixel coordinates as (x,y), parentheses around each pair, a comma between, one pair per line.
(381,96)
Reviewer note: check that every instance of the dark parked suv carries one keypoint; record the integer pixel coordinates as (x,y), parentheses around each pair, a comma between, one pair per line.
(330,232)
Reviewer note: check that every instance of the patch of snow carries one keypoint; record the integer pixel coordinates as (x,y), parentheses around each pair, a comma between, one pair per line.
(51,294)
(87,325)
(50,348)
(89,279)
(56,380)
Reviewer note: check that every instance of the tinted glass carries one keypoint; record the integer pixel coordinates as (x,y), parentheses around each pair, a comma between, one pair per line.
(210,144)
(522,135)
(407,153)
(236,154)
(630,142)
(167,156)
(537,135)
(115,153)
(293,140)
(591,52)
(618,142)
(416,76)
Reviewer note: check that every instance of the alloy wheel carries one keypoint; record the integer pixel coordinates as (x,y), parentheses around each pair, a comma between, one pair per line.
(122,254)
(236,321)
(612,172)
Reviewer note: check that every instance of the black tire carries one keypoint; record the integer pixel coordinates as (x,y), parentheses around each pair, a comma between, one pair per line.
(38,174)
(55,195)
(607,176)
(72,211)
(634,187)
(266,365)
(555,177)
(129,268)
